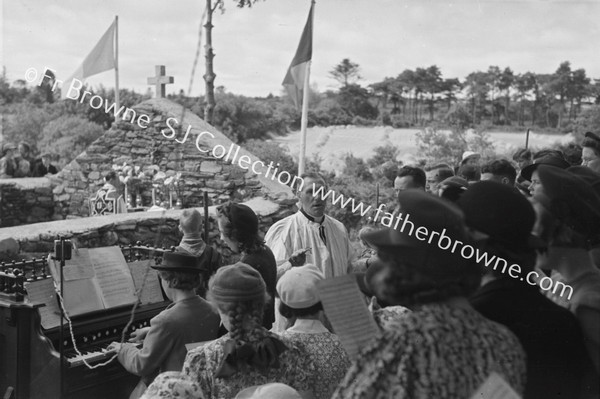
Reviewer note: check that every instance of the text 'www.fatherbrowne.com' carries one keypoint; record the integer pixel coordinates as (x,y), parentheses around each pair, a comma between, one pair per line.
(444,242)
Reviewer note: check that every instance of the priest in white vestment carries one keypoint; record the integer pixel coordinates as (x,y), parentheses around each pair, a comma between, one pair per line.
(310,228)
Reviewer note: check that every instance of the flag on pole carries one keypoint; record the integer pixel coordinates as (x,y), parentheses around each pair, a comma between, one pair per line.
(100,59)
(296,73)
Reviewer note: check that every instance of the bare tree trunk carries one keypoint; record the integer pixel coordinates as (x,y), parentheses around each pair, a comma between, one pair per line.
(571,110)
(506,110)
(209,76)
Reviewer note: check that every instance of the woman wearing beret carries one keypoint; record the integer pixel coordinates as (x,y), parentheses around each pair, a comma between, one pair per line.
(568,218)
(238,225)
(249,354)
(300,304)
(187,320)
(443,348)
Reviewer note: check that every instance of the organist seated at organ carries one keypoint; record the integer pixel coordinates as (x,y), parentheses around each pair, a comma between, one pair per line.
(187,320)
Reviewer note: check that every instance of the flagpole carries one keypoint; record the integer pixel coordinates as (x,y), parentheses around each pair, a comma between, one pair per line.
(304,120)
(305,95)
(117,105)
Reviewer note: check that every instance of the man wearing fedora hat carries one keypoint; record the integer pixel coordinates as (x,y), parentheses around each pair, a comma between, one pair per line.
(188,319)
(507,218)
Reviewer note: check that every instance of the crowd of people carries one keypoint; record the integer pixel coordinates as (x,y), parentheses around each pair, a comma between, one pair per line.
(18,161)
(448,324)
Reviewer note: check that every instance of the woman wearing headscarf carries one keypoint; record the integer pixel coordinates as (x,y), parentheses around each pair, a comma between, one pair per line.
(443,348)
(238,225)
(249,354)
(301,305)
(568,218)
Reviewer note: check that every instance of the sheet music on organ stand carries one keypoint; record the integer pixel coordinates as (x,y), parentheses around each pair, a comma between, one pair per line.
(94,279)
(151,292)
(42,291)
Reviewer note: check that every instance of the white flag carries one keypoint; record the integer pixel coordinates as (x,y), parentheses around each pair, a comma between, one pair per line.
(100,59)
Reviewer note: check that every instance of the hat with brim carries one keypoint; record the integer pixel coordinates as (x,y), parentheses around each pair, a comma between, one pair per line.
(549,160)
(179,262)
(587,174)
(421,214)
(8,146)
(579,204)
(502,213)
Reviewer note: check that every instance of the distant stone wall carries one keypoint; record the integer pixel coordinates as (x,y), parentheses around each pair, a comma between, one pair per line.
(25,201)
(151,228)
(142,146)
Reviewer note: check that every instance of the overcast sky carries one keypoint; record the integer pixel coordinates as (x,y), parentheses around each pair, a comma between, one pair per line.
(255,46)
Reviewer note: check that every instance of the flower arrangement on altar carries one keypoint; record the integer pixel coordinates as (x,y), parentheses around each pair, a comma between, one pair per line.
(163,185)
(174,184)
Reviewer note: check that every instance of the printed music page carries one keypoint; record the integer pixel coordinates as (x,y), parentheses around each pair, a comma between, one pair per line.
(146,277)
(42,291)
(79,266)
(348,313)
(113,276)
(82,296)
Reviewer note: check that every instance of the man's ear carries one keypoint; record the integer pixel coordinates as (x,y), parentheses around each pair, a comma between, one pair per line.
(505,180)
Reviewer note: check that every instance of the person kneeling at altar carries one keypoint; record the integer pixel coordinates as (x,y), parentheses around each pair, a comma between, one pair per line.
(188,319)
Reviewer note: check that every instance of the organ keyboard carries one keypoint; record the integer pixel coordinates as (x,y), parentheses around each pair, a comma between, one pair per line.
(31,366)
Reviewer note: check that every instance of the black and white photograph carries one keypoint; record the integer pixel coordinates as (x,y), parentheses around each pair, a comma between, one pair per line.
(300,199)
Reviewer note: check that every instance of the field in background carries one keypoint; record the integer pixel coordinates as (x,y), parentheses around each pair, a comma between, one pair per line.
(332,143)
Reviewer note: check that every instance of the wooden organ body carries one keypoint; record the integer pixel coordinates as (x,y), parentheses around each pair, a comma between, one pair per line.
(31,365)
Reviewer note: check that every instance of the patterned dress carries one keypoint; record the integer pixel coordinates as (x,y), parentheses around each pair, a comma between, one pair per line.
(295,369)
(325,350)
(438,351)
(173,384)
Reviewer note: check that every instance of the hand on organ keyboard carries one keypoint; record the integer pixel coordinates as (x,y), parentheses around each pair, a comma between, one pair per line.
(113,347)
(139,334)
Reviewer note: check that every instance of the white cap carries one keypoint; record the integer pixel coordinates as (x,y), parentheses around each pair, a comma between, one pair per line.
(297,288)
(274,390)
(469,154)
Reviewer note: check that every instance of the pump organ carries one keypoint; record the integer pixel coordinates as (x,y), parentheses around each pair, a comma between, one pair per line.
(31,365)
